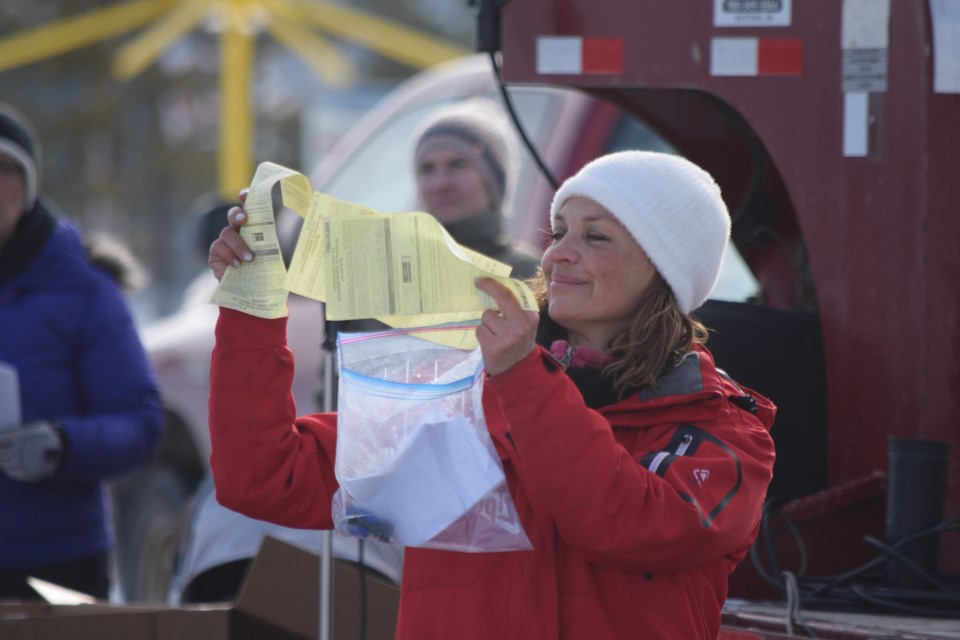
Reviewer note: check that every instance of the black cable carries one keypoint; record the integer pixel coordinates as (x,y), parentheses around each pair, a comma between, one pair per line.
(905,561)
(768,542)
(834,581)
(871,597)
(838,592)
(516,124)
(758,565)
(766,536)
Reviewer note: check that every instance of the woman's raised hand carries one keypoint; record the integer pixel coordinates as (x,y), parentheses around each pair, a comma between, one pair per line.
(229,248)
(506,334)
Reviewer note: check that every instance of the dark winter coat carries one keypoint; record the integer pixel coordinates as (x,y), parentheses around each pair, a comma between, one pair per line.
(66,328)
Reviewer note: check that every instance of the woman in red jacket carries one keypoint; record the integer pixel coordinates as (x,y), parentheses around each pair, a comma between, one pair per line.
(638,469)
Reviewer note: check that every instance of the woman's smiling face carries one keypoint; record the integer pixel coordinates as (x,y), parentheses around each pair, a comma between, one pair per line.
(596,273)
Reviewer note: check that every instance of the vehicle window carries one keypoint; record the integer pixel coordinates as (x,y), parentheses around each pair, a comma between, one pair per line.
(630,133)
(379,175)
(536,109)
(736,283)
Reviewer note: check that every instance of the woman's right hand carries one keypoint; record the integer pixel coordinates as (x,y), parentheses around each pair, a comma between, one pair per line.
(506,334)
(229,248)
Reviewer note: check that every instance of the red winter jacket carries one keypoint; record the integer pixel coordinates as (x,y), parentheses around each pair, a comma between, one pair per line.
(637,512)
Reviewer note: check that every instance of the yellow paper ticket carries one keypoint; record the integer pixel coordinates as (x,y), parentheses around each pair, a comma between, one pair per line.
(257,287)
(306,276)
(401,264)
(401,268)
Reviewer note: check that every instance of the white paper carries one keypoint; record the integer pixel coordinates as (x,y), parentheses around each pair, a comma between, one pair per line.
(855,108)
(945,17)
(55,594)
(443,470)
(9,398)
(751,13)
(865,24)
(864,39)
(864,70)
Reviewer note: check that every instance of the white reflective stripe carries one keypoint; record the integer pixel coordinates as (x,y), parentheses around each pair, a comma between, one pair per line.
(684,444)
(657,460)
(734,56)
(559,54)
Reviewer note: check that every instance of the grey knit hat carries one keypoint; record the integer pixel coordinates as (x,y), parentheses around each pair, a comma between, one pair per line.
(19,140)
(477,129)
(672,208)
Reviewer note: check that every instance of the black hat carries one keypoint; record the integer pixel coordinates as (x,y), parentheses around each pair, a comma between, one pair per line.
(19,140)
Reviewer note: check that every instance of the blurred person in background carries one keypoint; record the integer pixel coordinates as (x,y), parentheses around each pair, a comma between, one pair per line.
(89,403)
(465,168)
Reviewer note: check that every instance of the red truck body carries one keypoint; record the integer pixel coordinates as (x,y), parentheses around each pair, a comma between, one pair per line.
(834,131)
(870,241)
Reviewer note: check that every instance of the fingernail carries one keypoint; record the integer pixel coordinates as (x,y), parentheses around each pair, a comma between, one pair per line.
(236,262)
(240,216)
(247,256)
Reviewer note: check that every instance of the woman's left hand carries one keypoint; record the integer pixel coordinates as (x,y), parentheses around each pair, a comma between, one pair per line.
(507,334)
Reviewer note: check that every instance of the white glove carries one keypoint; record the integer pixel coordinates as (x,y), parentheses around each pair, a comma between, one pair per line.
(32,452)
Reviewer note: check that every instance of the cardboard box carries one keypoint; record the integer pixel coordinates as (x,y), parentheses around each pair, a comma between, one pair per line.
(279,600)
(43,621)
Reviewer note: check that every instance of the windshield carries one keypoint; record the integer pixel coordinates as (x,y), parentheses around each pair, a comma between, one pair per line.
(378,172)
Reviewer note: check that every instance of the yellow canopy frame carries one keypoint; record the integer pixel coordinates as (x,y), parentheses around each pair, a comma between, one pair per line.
(239,21)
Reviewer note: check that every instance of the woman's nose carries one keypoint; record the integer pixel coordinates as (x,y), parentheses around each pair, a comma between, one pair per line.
(560,251)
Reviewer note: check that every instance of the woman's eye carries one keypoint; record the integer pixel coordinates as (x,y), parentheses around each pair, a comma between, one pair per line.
(556,236)
(596,237)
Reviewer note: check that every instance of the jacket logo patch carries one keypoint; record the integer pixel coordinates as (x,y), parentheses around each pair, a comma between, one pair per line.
(688,448)
(699,476)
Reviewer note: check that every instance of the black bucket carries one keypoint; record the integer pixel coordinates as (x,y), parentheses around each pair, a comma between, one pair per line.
(916,491)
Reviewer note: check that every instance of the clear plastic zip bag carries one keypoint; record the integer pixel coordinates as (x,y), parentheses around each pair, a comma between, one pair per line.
(415,462)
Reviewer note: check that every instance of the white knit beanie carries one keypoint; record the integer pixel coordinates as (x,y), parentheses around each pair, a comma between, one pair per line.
(672,208)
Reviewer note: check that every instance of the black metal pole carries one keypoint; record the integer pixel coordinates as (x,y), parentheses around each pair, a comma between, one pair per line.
(329,362)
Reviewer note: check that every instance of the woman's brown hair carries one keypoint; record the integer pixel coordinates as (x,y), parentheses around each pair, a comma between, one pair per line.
(658,337)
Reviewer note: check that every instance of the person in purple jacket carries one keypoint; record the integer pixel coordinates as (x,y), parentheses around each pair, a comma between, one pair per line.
(89,403)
